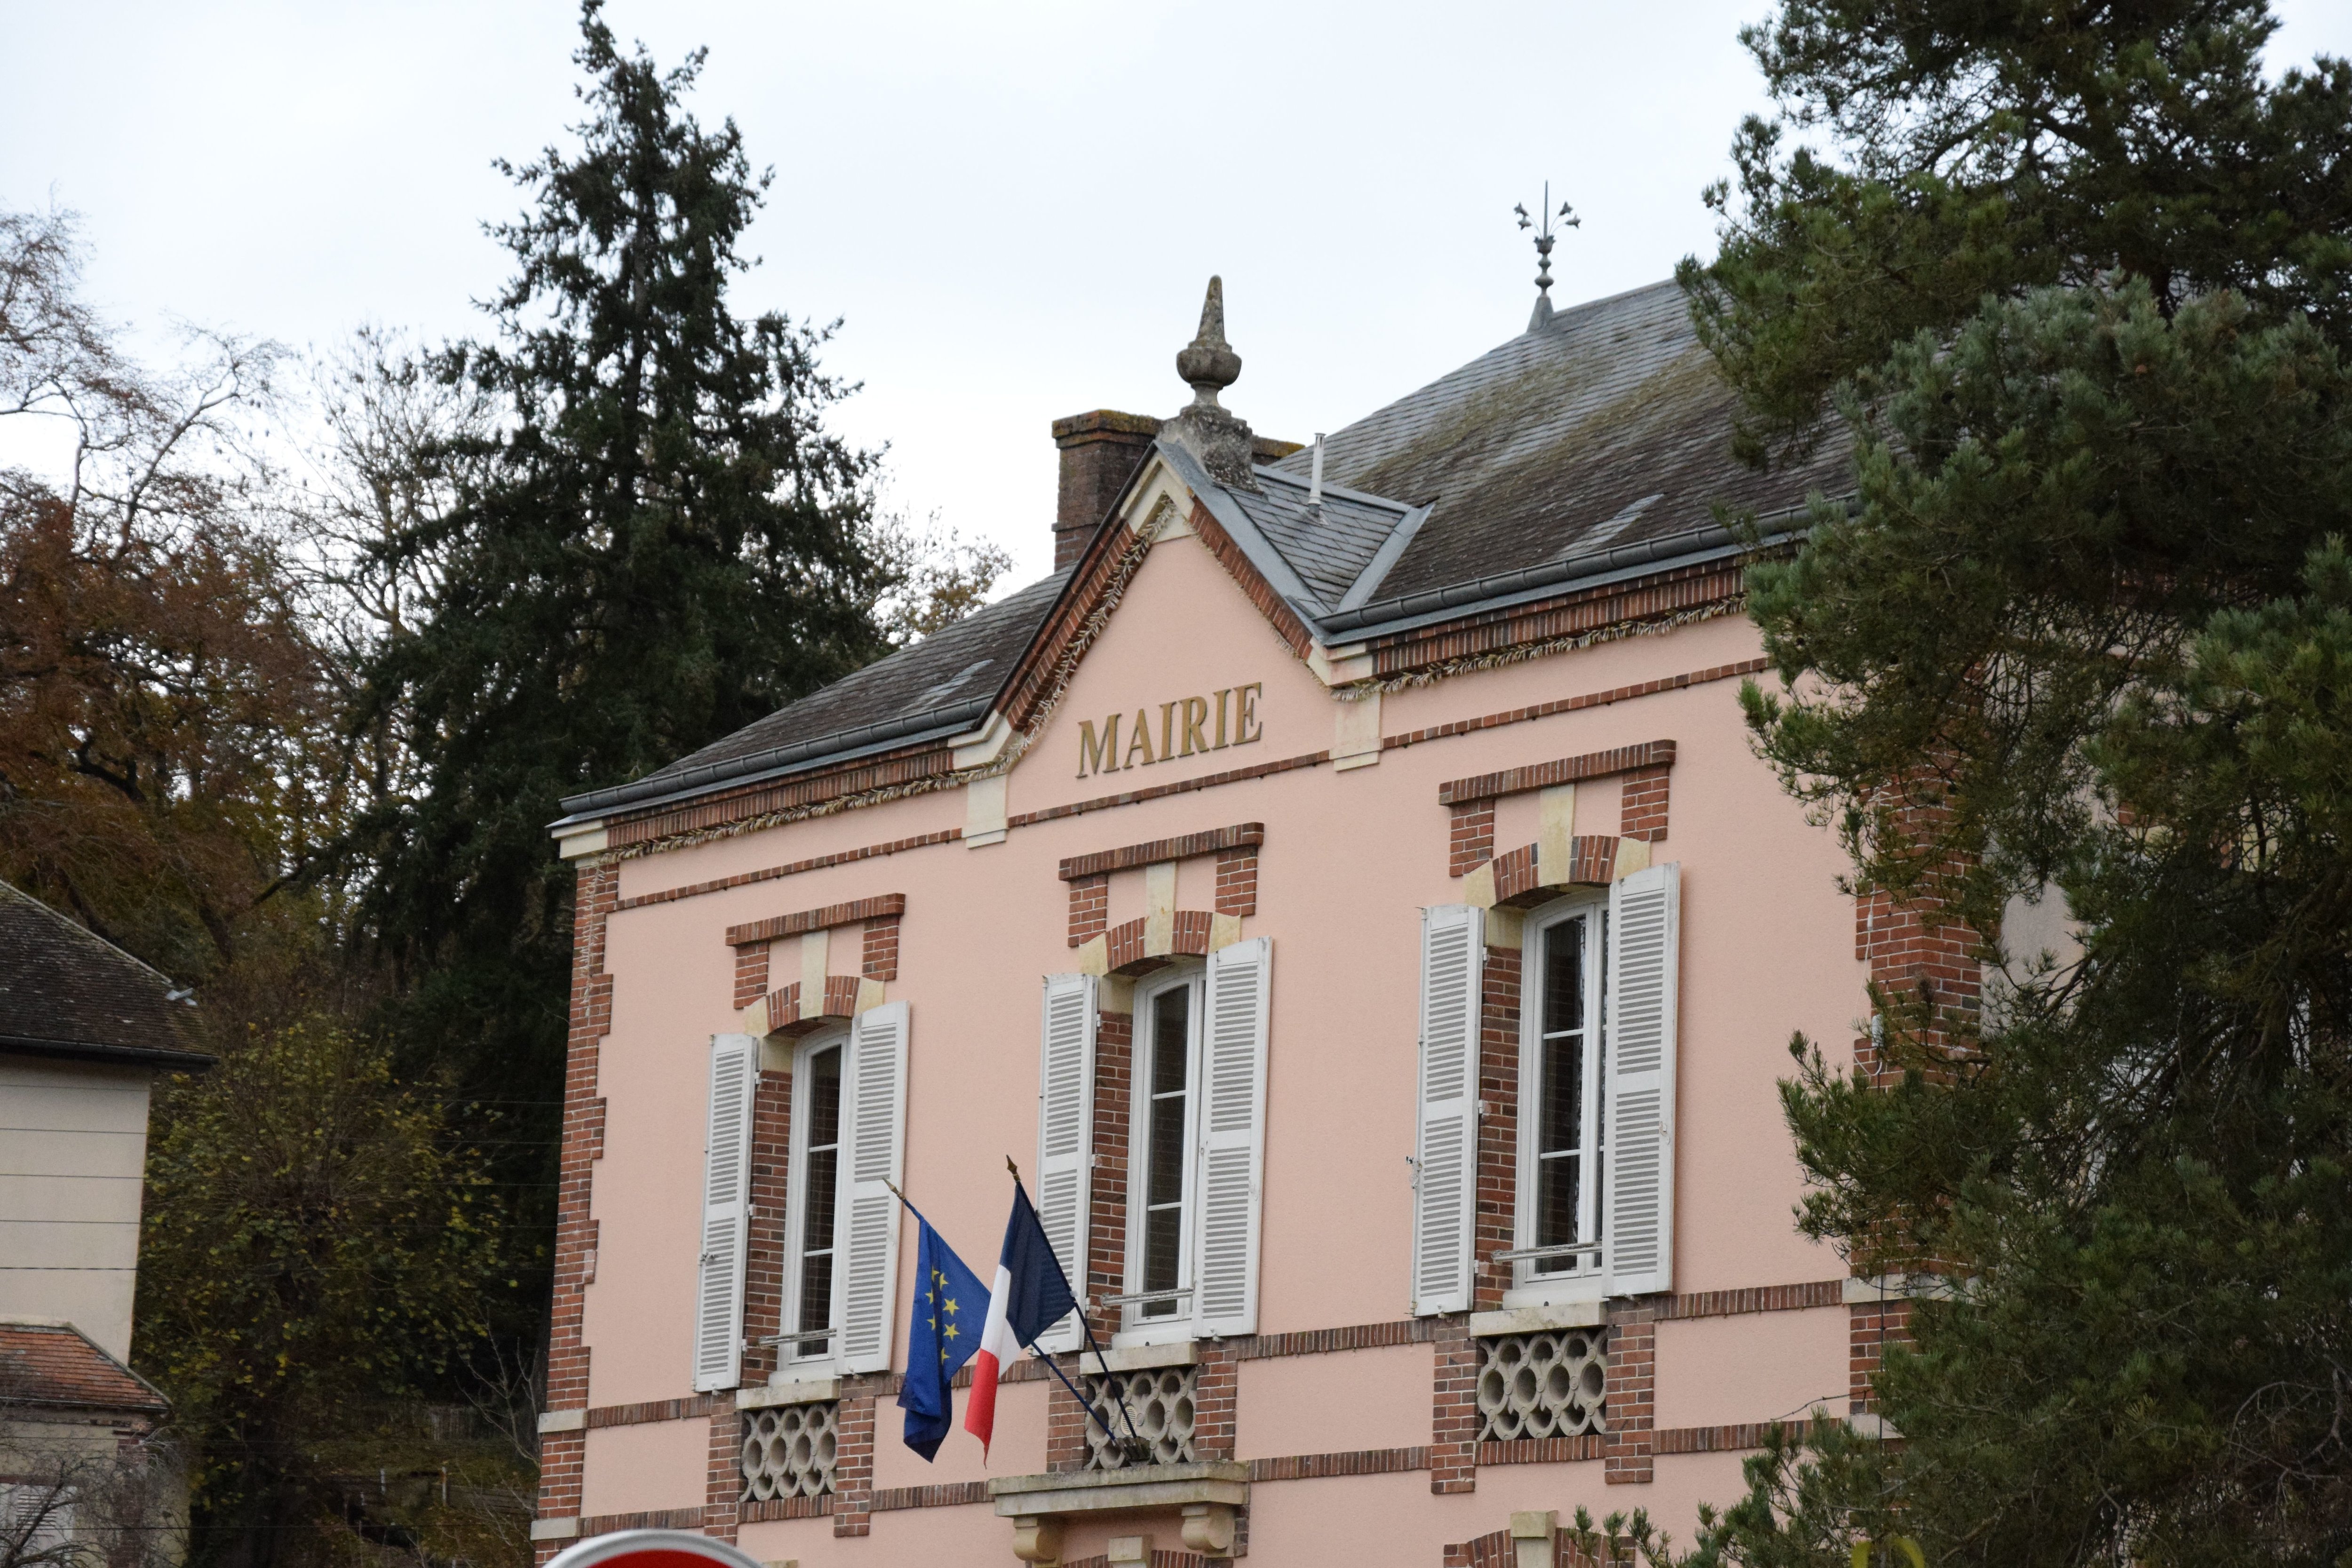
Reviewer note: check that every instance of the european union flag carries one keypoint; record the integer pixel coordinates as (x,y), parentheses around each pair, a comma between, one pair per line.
(951,1308)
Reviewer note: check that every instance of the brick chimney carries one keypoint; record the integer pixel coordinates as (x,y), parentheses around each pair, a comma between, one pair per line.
(1100,451)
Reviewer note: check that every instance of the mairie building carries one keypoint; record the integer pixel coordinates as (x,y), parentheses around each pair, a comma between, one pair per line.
(1347,891)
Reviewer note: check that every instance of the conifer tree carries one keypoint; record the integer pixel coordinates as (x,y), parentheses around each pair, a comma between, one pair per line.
(662,543)
(2072,282)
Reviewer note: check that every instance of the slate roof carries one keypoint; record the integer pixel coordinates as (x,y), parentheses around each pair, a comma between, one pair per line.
(944,683)
(55,1364)
(1596,445)
(1608,426)
(67,992)
(1331,546)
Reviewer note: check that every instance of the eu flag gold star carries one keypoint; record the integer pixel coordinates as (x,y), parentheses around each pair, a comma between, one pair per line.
(950,1330)
(952,1306)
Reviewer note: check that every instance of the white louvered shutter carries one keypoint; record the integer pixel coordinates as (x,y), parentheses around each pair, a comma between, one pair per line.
(1065,1119)
(726,1206)
(1232,1137)
(1445,1155)
(876,1144)
(1638,1198)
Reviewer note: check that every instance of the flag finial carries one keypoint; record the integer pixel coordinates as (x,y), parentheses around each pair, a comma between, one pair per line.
(1011,1167)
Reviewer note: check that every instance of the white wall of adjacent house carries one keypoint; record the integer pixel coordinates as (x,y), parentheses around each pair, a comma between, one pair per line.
(73,1154)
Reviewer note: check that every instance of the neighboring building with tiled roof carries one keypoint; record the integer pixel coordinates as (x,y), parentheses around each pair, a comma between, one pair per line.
(65,991)
(54,1366)
(84,1029)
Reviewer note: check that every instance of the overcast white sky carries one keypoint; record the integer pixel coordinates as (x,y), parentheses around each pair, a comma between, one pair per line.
(1012,206)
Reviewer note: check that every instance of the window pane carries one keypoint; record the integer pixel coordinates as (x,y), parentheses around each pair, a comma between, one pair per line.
(1163,1238)
(820,1186)
(1166,1135)
(1163,1151)
(1559,1120)
(816,1299)
(824,1089)
(1556,1209)
(1170,1034)
(1563,976)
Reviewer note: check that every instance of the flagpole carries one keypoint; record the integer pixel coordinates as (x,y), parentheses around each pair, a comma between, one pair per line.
(1135,1439)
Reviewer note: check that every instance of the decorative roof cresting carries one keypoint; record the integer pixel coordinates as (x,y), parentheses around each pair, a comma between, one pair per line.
(1206,428)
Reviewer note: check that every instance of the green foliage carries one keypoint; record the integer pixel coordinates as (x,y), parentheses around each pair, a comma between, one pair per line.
(2072,283)
(1984,148)
(314,1241)
(659,545)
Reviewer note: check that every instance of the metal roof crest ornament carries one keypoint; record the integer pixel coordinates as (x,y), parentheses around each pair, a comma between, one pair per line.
(1544,239)
(1206,428)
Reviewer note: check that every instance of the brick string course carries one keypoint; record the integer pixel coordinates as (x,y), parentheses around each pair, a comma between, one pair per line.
(1649,757)
(1521,715)
(761,1511)
(1603,698)
(790,868)
(857,911)
(1811,1295)
(1240,836)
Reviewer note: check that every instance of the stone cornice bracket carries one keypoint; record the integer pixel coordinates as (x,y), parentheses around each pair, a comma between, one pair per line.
(1205,428)
(1206,1494)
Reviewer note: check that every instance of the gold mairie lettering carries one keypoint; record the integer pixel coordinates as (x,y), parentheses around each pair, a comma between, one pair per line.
(1097,754)
(1248,729)
(1139,740)
(1223,698)
(1167,743)
(1196,714)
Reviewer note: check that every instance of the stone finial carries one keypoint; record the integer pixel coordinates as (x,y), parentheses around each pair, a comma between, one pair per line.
(1209,364)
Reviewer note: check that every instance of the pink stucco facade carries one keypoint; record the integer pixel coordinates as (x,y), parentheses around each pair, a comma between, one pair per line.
(1344,1407)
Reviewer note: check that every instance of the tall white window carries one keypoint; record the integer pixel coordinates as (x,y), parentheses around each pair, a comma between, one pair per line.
(1163,1165)
(1562,1075)
(813,1232)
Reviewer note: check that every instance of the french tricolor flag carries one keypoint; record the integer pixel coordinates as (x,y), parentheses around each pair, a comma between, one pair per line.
(1032,1295)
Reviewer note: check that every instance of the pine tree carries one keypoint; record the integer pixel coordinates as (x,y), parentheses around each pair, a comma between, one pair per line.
(661,544)
(2072,281)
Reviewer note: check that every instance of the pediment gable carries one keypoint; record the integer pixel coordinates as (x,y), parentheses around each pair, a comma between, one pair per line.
(1182,674)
